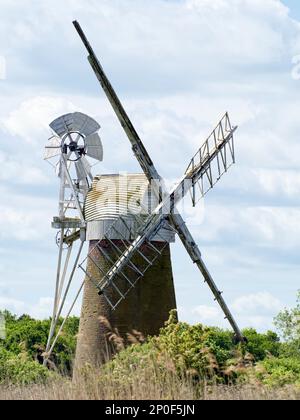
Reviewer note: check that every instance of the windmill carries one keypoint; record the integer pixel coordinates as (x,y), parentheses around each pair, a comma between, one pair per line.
(137,244)
(75,137)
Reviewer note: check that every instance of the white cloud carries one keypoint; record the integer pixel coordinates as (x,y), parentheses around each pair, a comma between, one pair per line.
(207,45)
(257,303)
(25,218)
(279,182)
(263,226)
(20,171)
(207,313)
(31,119)
(13,305)
(178,67)
(42,309)
(251,21)
(253,310)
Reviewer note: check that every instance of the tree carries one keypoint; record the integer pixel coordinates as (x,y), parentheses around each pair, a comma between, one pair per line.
(262,345)
(288,322)
(28,337)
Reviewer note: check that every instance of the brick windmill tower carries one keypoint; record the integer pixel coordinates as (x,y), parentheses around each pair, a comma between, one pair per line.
(114,215)
(129,223)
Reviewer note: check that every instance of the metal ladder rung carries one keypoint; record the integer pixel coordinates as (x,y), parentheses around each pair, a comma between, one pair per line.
(94,262)
(112,263)
(117,289)
(150,244)
(115,246)
(128,263)
(89,276)
(125,242)
(106,256)
(109,301)
(144,257)
(134,267)
(115,305)
(126,278)
(112,272)
(137,218)
(126,225)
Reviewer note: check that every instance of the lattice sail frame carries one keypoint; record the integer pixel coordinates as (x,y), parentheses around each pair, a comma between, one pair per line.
(212,151)
(125,279)
(215,145)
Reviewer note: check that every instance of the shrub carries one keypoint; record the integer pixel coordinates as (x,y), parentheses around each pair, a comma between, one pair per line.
(27,336)
(193,351)
(197,351)
(288,322)
(262,345)
(277,372)
(20,370)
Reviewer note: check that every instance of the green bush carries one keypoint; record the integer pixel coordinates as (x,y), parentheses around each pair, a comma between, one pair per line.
(195,347)
(277,372)
(290,349)
(262,345)
(28,337)
(203,352)
(197,351)
(20,370)
(288,322)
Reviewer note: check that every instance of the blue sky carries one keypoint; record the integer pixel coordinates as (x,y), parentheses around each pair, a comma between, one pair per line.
(178,66)
(294,7)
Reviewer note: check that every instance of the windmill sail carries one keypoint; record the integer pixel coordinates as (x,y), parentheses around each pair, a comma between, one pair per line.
(75,122)
(115,288)
(83,169)
(128,252)
(194,175)
(52,149)
(94,147)
(219,145)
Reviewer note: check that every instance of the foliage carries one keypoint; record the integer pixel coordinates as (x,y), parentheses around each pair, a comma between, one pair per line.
(28,337)
(288,322)
(188,352)
(195,347)
(278,372)
(262,345)
(206,353)
(19,369)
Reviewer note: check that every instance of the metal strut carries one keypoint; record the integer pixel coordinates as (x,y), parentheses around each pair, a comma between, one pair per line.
(59,302)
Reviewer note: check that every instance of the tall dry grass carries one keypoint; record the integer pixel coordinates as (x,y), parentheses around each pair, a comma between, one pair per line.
(146,378)
(66,390)
(144,384)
